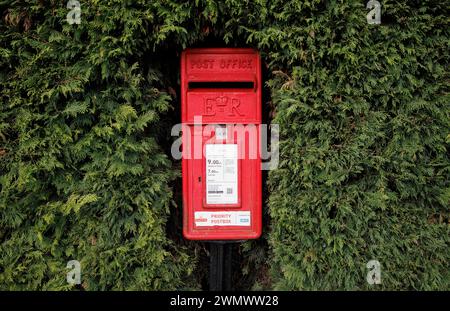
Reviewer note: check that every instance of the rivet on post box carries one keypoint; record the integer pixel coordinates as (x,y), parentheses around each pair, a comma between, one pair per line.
(221,143)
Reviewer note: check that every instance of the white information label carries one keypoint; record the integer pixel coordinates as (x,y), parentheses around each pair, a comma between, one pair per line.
(228,218)
(221,174)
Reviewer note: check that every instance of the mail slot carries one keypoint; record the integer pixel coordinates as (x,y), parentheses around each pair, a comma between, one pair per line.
(221,143)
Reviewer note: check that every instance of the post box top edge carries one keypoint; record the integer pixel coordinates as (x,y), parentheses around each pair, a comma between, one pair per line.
(220,51)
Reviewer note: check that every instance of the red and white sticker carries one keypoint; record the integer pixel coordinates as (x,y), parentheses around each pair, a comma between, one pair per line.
(229,218)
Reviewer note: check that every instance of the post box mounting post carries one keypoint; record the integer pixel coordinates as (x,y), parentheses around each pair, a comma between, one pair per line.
(220,266)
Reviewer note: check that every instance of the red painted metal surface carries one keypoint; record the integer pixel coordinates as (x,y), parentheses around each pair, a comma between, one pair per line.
(222,196)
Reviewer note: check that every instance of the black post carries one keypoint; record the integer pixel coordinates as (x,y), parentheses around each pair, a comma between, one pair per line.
(227,269)
(220,266)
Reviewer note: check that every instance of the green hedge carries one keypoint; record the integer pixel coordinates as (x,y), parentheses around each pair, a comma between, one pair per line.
(85,118)
(83,175)
(364,172)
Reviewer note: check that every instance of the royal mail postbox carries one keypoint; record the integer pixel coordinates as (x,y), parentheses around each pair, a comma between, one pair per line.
(221,143)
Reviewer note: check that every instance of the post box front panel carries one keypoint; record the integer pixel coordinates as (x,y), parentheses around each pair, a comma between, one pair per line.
(221,166)
(222,203)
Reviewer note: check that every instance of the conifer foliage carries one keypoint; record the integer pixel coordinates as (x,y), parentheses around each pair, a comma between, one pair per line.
(365,121)
(83,176)
(363,110)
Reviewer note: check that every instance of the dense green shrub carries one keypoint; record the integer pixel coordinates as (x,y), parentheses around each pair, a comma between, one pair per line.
(364,172)
(85,118)
(82,173)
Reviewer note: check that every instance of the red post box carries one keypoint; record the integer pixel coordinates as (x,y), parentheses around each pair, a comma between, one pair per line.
(221,143)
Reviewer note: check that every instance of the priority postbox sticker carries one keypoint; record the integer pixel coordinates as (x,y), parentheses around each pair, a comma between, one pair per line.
(221,173)
(227,218)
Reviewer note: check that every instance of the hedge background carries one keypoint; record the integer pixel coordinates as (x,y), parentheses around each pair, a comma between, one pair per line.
(85,166)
